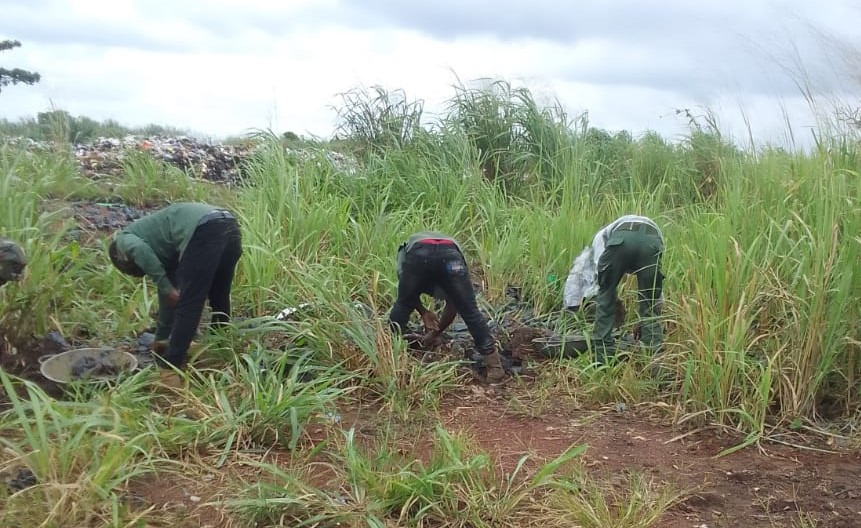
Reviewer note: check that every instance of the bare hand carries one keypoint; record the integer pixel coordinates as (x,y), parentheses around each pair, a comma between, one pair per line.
(172,297)
(430,320)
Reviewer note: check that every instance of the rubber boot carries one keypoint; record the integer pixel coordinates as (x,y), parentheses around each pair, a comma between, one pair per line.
(493,366)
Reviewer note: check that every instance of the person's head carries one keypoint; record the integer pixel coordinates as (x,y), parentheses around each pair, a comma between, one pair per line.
(121,261)
(12,261)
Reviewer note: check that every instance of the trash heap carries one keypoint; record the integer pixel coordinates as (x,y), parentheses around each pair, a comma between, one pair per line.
(213,162)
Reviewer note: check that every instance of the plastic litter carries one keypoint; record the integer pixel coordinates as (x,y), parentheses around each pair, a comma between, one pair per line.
(18,478)
(286,313)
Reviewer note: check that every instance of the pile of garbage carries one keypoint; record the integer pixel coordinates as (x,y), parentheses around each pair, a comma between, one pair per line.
(212,162)
(215,162)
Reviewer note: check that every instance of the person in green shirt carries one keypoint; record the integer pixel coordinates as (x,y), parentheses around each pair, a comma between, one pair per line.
(12,261)
(630,244)
(433,263)
(190,251)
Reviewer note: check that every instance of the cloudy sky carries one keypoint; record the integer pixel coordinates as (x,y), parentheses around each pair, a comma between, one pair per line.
(223,67)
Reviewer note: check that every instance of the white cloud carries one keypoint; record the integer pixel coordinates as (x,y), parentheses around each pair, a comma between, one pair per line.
(224,66)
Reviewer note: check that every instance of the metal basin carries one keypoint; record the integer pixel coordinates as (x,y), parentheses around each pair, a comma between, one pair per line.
(87,364)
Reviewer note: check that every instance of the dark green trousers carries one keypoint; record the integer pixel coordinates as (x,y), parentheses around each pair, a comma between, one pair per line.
(638,252)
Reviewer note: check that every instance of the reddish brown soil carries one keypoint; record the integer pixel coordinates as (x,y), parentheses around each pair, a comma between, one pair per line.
(768,485)
(765,485)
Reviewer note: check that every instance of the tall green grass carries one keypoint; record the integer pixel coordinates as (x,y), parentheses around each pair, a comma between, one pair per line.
(761,245)
(762,297)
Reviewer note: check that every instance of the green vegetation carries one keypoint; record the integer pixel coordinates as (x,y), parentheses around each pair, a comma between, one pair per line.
(15,75)
(60,126)
(762,293)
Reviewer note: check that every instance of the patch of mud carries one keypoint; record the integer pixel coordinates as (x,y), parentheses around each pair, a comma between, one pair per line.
(765,487)
(23,361)
(184,500)
(521,343)
(106,217)
(93,220)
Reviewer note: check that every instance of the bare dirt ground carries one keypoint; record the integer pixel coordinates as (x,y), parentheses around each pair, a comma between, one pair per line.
(769,485)
(765,485)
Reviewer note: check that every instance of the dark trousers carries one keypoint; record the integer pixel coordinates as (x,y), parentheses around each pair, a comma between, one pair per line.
(638,252)
(428,267)
(205,271)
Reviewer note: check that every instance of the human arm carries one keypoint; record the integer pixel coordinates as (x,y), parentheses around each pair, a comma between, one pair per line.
(165,315)
(138,251)
(448,315)
(429,318)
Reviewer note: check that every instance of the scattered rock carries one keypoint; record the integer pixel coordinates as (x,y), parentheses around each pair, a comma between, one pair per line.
(18,478)
(146,340)
(140,347)
(54,340)
(212,162)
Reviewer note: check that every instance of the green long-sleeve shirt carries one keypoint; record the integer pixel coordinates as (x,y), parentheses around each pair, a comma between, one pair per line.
(156,243)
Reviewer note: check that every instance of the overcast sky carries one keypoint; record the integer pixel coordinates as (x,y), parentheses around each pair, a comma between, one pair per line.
(223,67)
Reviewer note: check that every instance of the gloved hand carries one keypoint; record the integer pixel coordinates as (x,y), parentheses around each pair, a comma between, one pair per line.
(412,338)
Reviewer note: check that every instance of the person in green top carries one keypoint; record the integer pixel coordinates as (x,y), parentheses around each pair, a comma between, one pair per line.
(433,263)
(190,251)
(630,244)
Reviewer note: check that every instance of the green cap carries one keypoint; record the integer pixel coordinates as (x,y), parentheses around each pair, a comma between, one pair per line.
(12,261)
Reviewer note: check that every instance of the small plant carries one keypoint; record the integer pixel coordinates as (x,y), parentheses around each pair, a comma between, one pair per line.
(455,486)
(261,400)
(634,502)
